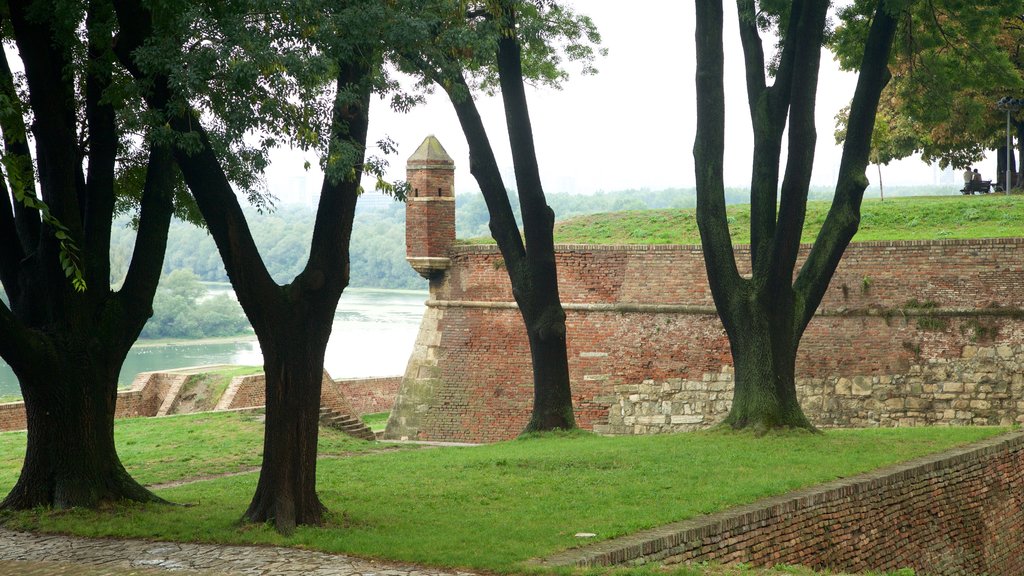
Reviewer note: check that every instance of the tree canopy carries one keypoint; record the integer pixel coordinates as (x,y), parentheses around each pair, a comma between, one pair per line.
(949,67)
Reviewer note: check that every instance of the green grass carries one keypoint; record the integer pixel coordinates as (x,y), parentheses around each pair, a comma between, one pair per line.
(208,387)
(377,422)
(912,218)
(158,450)
(493,507)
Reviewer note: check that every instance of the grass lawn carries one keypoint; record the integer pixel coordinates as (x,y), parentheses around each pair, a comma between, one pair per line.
(493,507)
(159,450)
(377,421)
(910,218)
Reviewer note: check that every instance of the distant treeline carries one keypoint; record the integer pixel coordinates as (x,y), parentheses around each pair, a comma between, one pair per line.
(378,237)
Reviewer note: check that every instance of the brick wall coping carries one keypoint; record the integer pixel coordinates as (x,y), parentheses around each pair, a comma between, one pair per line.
(658,543)
(640,308)
(493,248)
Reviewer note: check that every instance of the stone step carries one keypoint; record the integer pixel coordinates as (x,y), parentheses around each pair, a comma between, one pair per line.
(346,423)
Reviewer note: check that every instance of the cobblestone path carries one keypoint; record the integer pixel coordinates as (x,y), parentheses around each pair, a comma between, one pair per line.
(30,554)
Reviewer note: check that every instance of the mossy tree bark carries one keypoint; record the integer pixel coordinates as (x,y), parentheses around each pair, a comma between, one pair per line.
(529,257)
(293,321)
(67,346)
(765,315)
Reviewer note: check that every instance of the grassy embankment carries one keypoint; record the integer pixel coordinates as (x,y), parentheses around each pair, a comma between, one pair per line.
(911,218)
(486,508)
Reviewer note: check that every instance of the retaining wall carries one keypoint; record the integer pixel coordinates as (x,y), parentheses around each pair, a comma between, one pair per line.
(959,513)
(153,392)
(909,333)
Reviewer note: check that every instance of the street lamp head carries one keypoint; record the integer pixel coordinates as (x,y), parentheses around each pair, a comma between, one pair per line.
(1010,104)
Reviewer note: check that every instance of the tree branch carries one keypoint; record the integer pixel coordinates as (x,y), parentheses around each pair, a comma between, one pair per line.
(202,171)
(11,253)
(143,276)
(538,218)
(844,215)
(332,230)
(484,168)
(102,130)
(55,125)
(18,158)
(708,154)
(767,135)
(809,35)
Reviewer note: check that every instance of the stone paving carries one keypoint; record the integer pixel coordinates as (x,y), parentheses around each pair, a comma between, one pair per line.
(31,554)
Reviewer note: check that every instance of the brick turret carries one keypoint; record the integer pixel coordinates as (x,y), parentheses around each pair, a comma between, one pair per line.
(430,208)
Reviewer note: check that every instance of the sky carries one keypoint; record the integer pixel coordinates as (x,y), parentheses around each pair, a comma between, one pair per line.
(631,126)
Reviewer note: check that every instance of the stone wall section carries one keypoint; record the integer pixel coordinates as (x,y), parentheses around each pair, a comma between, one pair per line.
(959,513)
(153,392)
(909,333)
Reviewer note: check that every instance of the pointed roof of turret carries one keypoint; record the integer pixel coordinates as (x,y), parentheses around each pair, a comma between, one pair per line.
(430,151)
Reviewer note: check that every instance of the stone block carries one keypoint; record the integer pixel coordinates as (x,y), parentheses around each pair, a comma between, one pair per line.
(861,386)
(687,419)
(895,404)
(952,386)
(844,387)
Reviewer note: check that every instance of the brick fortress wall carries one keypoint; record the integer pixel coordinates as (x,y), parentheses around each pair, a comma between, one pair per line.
(909,333)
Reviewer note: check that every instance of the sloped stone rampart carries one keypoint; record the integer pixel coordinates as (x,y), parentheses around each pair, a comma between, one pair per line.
(958,513)
(908,333)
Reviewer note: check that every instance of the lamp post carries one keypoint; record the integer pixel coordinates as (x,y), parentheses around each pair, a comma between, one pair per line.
(1011,105)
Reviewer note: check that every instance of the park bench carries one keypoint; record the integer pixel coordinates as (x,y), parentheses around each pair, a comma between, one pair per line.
(979,186)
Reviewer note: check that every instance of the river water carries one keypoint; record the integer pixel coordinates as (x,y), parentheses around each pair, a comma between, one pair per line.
(373,335)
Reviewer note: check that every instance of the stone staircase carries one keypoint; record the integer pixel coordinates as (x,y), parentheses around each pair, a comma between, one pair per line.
(347,423)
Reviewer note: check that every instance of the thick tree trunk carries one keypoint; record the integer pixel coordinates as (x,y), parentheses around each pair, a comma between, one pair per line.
(286,493)
(552,397)
(764,358)
(70,459)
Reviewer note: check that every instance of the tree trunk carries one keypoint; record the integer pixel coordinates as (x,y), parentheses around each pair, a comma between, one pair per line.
(881,189)
(70,459)
(764,358)
(293,364)
(552,397)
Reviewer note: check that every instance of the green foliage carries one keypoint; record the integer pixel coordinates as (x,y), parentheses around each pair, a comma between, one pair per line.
(952,61)
(437,40)
(493,507)
(180,310)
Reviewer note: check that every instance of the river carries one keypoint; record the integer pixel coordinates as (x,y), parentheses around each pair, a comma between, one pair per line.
(373,335)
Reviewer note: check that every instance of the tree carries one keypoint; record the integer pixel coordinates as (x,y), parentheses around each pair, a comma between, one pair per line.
(941,101)
(765,315)
(485,45)
(281,61)
(66,332)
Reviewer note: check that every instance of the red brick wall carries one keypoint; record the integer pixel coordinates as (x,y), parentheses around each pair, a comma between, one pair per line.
(644,313)
(957,513)
(370,395)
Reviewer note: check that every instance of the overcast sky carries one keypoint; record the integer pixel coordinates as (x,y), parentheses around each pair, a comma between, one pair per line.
(630,126)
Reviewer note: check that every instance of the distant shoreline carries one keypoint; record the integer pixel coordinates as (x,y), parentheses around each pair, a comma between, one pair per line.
(157,342)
